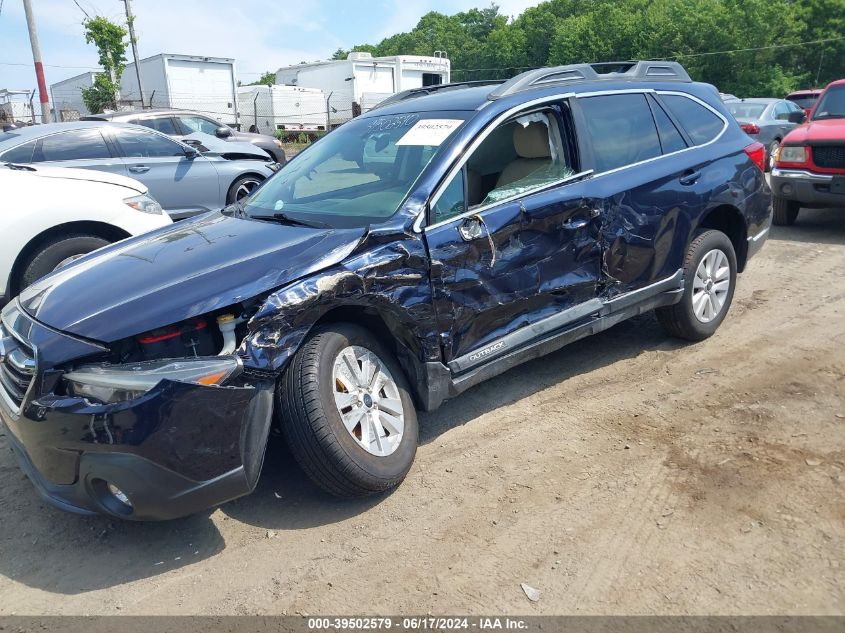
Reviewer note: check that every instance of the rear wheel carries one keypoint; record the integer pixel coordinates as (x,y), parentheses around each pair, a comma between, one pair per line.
(710,277)
(57,252)
(242,187)
(347,413)
(785,212)
(770,158)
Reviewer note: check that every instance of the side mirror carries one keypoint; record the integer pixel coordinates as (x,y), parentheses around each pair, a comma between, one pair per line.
(797,117)
(223,132)
(191,153)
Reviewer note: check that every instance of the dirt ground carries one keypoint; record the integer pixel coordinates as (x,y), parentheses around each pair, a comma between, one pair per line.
(628,473)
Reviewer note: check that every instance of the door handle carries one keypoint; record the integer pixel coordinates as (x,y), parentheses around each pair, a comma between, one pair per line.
(690,177)
(576,223)
(470,229)
(139,169)
(579,221)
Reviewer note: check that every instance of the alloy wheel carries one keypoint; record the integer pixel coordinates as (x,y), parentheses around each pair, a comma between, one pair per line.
(368,400)
(711,284)
(245,188)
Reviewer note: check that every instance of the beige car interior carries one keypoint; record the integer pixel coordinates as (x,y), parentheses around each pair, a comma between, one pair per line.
(512,152)
(519,155)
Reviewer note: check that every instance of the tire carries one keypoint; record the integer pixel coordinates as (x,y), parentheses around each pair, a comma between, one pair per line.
(785,212)
(242,187)
(685,319)
(333,457)
(770,154)
(49,255)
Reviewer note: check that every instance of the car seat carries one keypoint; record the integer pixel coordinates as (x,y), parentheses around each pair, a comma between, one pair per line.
(531,143)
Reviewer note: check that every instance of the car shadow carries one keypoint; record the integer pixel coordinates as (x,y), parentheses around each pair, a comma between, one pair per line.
(625,340)
(61,553)
(286,499)
(814,226)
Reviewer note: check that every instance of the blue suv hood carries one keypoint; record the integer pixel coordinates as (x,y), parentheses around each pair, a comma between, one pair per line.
(178,272)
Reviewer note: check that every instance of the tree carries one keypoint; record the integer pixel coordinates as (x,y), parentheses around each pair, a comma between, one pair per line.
(266,79)
(109,38)
(741,46)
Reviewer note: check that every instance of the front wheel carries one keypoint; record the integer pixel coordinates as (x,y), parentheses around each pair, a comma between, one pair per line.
(57,252)
(709,281)
(242,187)
(347,413)
(784,212)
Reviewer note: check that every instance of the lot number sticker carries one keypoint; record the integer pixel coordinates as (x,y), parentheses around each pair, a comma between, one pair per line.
(430,132)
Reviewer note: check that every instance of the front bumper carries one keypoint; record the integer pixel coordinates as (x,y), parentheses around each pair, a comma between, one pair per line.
(75,452)
(807,188)
(177,450)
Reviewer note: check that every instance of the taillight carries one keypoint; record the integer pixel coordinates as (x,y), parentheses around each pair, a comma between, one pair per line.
(750,128)
(757,153)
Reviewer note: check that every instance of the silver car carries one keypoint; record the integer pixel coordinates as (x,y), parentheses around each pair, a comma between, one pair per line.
(185,179)
(764,120)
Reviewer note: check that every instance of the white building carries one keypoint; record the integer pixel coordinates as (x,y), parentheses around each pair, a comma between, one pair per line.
(265,109)
(188,82)
(66,96)
(16,105)
(359,82)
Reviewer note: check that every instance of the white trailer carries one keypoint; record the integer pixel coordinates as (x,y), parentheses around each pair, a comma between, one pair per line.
(265,109)
(66,96)
(359,82)
(185,82)
(16,105)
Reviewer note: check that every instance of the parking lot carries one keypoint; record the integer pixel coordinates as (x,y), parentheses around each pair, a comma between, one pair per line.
(627,473)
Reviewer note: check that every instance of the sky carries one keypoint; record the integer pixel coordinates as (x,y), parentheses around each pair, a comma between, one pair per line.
(259,34)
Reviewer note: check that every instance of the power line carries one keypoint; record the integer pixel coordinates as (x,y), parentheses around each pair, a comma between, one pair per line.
(680,55)
(81,9)
(758,48)
(53,66)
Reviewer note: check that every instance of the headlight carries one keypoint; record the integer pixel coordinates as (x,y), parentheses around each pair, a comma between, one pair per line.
(145,204)
(116,383)
(791,155)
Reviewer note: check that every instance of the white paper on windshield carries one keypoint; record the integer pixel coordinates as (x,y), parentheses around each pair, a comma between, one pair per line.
(430,132)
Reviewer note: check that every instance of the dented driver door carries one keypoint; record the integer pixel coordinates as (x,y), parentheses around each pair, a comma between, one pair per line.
(503,269)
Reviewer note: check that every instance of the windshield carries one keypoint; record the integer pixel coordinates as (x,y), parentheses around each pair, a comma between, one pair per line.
(357,175)
(746,110)
(831,105)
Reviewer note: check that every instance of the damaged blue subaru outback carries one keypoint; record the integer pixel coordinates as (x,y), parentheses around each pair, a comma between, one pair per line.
(436,241)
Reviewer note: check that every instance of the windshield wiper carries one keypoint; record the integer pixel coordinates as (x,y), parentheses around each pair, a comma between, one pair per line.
(287,219)
(18,167)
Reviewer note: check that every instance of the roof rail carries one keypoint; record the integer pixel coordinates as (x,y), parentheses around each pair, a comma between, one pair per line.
(578,73)
(427,90)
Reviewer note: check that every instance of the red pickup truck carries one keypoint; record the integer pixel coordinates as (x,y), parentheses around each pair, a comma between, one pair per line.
(809,166)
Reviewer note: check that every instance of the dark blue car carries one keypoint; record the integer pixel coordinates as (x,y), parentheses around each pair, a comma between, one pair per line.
(417,250)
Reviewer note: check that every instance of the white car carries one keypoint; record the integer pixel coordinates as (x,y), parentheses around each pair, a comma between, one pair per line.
(53,215)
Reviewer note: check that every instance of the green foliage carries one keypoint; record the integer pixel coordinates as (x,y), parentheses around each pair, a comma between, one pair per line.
(109,38)
(483,44)
(266,79)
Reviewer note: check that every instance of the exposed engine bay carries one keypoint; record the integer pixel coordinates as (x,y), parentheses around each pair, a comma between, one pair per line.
(215,334)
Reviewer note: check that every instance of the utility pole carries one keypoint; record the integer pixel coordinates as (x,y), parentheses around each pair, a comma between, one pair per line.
(46,115)
(130,20)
